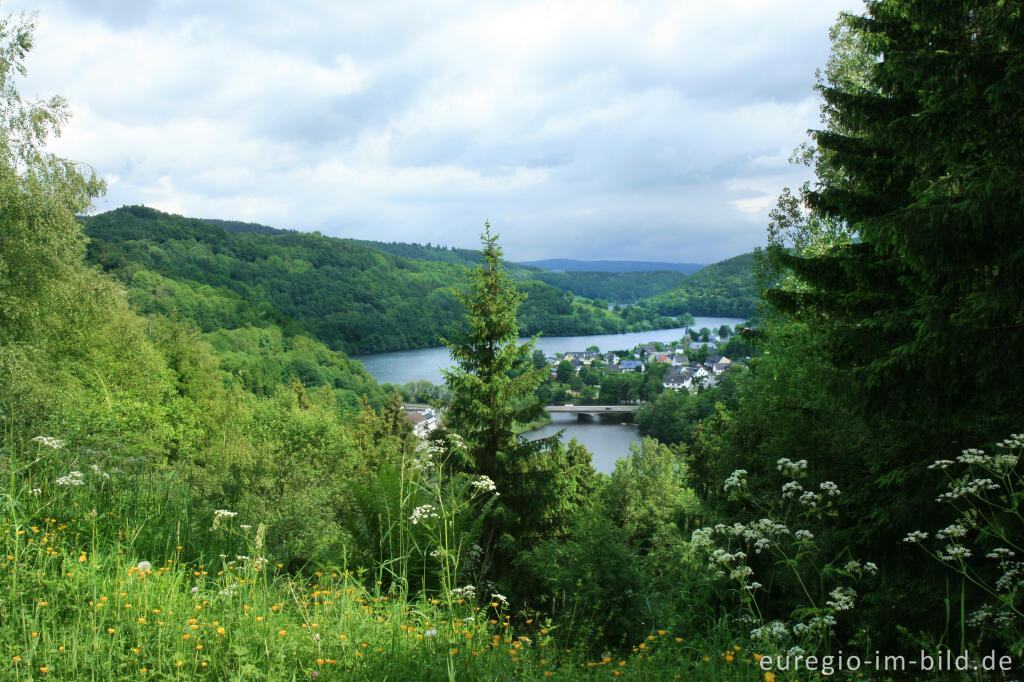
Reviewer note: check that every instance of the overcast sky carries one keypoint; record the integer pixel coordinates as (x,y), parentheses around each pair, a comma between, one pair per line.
(598,129)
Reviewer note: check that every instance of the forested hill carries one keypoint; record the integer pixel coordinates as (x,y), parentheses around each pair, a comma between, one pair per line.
(350,296)
(614,287)
(727,289)
(428,252)
(605,285)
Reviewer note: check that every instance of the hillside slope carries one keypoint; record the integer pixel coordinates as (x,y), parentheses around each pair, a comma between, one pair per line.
(725,289)
(350,296)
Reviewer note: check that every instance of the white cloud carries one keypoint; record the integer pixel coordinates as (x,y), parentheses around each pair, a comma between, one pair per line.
(593,129)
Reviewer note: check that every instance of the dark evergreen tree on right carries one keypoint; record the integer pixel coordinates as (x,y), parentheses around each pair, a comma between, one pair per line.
(920,307)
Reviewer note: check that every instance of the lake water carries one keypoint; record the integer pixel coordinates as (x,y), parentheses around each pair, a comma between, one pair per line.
(607,441)
(399,367)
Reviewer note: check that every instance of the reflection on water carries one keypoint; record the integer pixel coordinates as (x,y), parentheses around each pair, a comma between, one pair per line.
(606,440)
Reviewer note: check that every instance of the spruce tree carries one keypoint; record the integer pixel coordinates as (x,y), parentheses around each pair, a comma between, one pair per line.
(926,167)
(491,389)
(919,312)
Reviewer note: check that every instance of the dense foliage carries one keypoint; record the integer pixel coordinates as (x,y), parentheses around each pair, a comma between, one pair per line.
(613,287)
(894,301)
(572,265)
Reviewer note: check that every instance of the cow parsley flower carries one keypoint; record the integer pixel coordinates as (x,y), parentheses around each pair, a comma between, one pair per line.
(1011,578)
(775,630)
(916,536)
(790,489)
(973,456)
(956,553)
(842,598)
(484,484)
(809,499)
(468,592)
(737,479)
(72,478)
(741,572)
(980,615)
(952,531)
(1000,553)
(49,442)
(788,466)
(829,488)
(420,513)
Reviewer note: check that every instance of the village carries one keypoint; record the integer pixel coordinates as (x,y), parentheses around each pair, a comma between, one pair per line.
(691,364)
(633,376)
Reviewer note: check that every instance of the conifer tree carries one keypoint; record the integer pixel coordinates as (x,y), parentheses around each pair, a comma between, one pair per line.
(491,388)
(918,306)
(925,166)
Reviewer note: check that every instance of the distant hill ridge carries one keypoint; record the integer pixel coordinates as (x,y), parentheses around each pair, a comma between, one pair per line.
(571,265)
(637,281)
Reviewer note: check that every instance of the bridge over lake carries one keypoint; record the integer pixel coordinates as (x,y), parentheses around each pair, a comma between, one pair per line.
(592,412)
(582,412)
(596,409)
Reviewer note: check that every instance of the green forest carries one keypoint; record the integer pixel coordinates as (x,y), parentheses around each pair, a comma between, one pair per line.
(726,289)
(357,297)
(200,484)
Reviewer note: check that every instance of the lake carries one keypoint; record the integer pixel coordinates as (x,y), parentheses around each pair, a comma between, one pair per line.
(607,441)
(403,366)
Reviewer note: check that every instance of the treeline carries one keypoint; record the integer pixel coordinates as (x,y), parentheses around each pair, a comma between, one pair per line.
(349,296)
(725,289)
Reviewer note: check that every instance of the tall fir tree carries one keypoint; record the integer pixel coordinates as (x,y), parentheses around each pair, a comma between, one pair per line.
(491,389)
(919,307)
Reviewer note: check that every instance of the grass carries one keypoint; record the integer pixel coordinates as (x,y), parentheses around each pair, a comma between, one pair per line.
(106,583)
